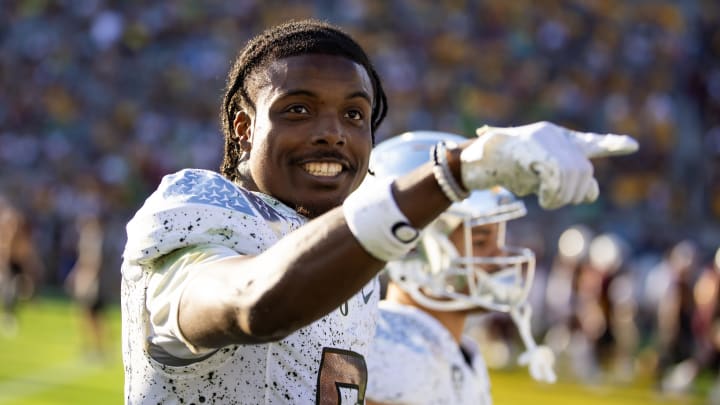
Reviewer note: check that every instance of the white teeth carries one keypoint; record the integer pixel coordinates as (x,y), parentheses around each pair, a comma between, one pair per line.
(323,168)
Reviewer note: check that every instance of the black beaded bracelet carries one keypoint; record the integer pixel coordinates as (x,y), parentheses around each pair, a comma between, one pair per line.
(444,176)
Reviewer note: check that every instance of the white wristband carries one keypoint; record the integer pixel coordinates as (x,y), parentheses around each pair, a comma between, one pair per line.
(378,224)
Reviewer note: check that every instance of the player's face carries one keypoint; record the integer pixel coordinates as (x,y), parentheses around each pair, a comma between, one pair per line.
(484,244)
(484,240)
(310,139)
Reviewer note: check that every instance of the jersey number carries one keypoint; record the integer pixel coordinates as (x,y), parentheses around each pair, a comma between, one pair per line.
(340,369)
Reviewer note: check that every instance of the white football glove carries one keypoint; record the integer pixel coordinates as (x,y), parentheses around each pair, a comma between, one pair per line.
(541,158)
(540,360)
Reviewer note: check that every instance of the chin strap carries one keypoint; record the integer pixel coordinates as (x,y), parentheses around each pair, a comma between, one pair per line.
(539,359)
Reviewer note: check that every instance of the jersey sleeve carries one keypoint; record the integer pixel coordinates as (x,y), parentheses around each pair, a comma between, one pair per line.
(166,285)
(197,207)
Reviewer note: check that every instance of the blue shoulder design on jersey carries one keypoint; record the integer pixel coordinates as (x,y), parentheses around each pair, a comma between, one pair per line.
(404,330)
(195,206)
(202,187)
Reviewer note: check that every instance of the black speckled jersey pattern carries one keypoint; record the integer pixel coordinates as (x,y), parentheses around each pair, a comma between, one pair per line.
(195,207)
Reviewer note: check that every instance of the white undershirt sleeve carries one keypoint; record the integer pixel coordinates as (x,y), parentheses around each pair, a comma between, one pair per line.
(167,283)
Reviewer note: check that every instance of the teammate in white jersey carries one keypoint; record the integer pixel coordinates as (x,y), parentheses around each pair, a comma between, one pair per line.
(461,266)
(258,286)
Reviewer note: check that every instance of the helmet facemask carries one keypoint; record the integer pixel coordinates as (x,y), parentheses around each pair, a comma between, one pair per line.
(439,277)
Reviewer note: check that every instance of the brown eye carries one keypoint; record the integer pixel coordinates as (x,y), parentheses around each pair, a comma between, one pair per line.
(297,109)
(480,243)
(355,115)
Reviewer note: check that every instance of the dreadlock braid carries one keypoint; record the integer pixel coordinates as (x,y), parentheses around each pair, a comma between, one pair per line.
(282,41)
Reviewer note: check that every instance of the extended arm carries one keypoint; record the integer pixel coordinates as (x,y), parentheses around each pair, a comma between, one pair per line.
(313,270)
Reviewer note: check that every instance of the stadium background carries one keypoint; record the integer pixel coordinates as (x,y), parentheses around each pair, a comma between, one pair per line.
(99,99)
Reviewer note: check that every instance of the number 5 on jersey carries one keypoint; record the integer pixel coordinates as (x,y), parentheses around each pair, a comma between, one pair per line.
(340,369)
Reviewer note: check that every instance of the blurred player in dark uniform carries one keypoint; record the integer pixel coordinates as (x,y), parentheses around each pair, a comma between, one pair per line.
(20,265)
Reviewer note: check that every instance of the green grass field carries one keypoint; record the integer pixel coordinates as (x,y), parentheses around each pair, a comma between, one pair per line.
(44,363)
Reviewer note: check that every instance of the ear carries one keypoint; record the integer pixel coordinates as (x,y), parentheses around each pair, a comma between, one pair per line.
(243,130)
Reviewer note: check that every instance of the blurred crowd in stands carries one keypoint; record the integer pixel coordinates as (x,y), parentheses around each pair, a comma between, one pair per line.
(99,99)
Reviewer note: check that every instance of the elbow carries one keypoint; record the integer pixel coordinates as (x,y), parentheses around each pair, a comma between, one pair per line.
(265,320)
(268,309)
(264,326)
(264,329)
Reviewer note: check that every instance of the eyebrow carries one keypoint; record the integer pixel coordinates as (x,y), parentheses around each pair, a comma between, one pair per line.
(481,232)
(360,94)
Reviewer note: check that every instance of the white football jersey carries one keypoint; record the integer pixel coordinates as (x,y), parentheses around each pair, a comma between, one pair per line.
(322,363)
(415,360)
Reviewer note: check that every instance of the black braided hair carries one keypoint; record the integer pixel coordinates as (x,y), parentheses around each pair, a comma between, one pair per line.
(290,39)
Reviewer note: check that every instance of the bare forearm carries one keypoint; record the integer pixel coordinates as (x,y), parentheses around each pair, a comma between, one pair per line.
(304,276)
(322,264)
(316,270)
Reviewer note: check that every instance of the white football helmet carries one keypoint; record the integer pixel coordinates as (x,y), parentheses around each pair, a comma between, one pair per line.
(436,275)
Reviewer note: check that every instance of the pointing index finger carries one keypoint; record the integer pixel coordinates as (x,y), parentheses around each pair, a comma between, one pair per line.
(601,145)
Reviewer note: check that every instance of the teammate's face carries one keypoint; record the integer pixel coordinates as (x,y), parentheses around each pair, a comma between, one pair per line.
(484,243)
(310,138)
(484,240)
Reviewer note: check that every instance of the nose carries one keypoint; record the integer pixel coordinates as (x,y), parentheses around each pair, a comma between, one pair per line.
(329,132)
(488,251)
(498,252)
